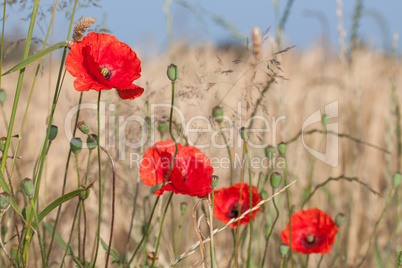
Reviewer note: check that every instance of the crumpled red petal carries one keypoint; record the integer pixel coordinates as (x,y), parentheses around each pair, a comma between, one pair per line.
(96,51)
(191,174)
(316,223)
(227,198)
(130,93)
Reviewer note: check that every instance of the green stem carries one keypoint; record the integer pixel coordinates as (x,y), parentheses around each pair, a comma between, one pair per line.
(176,252)
(42,249)
(171,166)
(79,212)
(71,235)
(160,229)
(65,180)
(271,230)
(19,84)
(250,204)
(145,113)
(145,232)
(100,185)
(285,178)
(229,153)
(319,262)
(211,228)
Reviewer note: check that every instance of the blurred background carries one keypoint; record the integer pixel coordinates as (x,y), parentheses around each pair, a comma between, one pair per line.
(151,26)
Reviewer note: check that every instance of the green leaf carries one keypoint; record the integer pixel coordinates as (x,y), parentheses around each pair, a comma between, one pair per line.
(57,237)
(36,57)
(115,255)
(60,201)
(5,187)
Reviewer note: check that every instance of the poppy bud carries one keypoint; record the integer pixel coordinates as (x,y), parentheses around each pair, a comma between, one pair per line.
(3,96)
(243,133)
(264,195)
(148,122)
(340,219)
(53,132)
(172,72)
(217,112)
(162,127)
(325,120)
(84,194)
(183,207)
(282,148)
(91,144)
(270,152)
(275,179)
(83,127)
(397,179)
(28,187)
(76,145)
(215,180)
(2,143)
(4,201)
(283,250)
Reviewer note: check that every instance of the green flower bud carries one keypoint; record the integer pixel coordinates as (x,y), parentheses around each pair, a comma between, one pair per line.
(2,143)
(28,187)
(325,120)
(275,179)
(282,148)
(91,144)
(76,145)
(3,96)
(396,179)
(270,152)
(172,72)
(83,127)
(84,194)
(340,219)
(148,122)
(283,250)
(215,180)
(53,132)
(217,112)
(4,201)
(243,133)
(179,128)
(162,127)
(264,195)
(183,207)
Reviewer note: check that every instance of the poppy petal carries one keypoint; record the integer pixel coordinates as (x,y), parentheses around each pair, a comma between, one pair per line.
(130,93)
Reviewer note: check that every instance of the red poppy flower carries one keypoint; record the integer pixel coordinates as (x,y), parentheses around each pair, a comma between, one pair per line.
(191,173)
(313,231)
(101,62)
(228,202)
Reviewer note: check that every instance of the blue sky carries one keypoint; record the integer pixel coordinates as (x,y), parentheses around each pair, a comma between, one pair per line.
(142,24)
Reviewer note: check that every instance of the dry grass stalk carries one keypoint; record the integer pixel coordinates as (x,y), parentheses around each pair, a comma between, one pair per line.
(80,28)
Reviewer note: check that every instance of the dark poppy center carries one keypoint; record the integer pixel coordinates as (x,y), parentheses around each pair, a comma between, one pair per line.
(310,239)
(106,73)
(234,211)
